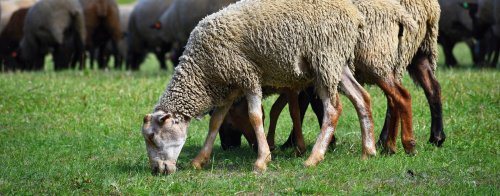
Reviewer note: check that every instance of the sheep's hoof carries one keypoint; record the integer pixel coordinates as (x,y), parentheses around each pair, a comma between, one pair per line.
(197,164)
(388,149)
(410,147)
(368,153)
(437,140)
(259,167)
(313,161)
(299,151)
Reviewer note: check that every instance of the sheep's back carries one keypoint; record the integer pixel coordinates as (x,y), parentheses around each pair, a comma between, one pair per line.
(279,43)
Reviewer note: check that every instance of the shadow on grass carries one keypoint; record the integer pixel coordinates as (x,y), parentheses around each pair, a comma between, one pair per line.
(238,159)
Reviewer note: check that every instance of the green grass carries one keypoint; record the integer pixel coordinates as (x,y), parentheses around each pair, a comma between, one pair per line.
(79,133)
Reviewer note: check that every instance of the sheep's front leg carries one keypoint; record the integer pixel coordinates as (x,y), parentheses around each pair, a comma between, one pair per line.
(255,115)
(362,102)
(331,116)
(215,123)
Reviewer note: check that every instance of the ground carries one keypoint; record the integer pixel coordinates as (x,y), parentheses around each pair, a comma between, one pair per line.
(78,132)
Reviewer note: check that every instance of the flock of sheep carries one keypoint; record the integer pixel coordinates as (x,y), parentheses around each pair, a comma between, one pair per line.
(254,48)
(73,30)
(475,22)
(305,50)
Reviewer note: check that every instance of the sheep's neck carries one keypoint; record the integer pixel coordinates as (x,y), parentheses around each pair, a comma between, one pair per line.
(186,94)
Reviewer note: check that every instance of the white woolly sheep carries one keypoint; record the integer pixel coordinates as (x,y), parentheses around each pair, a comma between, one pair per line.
(249,45)
(381,56)
(376,57)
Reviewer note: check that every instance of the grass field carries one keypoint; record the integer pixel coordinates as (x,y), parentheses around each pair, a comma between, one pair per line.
(76,132)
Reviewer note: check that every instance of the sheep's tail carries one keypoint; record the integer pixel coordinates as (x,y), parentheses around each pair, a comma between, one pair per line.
(429,44)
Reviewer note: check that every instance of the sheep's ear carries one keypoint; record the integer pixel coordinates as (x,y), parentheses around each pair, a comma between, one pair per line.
(147,118)
(164,117)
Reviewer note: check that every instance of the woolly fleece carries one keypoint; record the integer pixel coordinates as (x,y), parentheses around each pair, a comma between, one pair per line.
(258,43)
(379,44)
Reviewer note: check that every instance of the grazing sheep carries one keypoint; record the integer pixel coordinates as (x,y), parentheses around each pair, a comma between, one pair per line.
(142,38)
(249,45)
(455,26)
(56,24)
(177,22)
(370,52)
(103,55)
(486,17)
(10,38)
(102,23)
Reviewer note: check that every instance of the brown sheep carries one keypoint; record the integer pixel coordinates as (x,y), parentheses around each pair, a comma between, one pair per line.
(102,23)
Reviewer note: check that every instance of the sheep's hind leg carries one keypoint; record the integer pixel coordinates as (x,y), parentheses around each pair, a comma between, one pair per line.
(421,72)
(255,115)
(362,102)
(215,123)
(391,126)
(293,105)
(276,109)
(330,119)
(399,101)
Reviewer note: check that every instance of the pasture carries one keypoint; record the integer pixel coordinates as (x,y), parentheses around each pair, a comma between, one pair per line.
(78,132)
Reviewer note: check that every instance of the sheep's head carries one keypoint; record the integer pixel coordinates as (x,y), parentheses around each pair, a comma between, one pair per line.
(164,135)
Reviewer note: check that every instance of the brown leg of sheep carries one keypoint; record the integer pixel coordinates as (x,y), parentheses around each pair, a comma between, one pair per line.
(215,122)
(362,102)
(255,115)
(399,97)
(276,109)
(333,109)
(293,105)
(389,133)
(421,72)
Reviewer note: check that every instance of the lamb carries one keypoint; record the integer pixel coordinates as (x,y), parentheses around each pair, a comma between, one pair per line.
(57,24)
(102,23)
(177,22)
(142,38)
(249,45)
